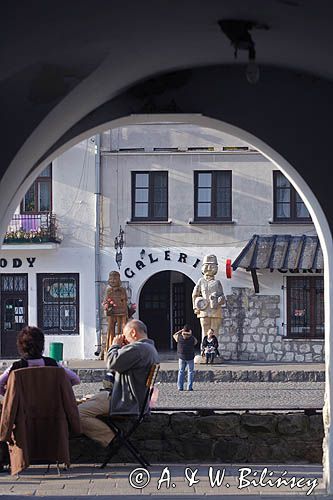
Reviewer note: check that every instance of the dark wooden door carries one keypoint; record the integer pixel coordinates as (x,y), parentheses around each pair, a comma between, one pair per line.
(154,309)
(182,309)
(14,311)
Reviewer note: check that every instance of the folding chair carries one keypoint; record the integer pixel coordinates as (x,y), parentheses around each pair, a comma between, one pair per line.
(122,437)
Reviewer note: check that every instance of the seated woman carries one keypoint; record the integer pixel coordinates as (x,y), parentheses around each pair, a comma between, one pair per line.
(30,346)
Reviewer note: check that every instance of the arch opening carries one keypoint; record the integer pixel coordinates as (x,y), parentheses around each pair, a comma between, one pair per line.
(317,214)
(165,306)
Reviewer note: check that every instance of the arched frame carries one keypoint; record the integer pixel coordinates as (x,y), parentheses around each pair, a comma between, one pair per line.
(317,214)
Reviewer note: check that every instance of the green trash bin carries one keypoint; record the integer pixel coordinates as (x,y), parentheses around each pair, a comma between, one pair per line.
(56,350)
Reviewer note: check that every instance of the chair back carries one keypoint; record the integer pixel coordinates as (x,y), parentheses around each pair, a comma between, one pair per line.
(37,400)
(151,379)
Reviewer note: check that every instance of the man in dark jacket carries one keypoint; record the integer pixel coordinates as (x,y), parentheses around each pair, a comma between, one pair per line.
(130,356)
(185,350)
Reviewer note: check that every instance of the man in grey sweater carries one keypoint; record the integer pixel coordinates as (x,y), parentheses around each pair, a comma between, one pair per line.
(130,356)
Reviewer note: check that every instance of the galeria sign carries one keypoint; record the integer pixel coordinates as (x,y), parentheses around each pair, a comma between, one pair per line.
(181,257)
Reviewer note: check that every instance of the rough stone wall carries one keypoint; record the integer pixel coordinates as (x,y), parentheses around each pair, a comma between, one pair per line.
(231,437)
(250,333)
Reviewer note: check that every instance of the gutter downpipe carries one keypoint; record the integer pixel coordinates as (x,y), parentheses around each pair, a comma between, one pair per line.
(97,243)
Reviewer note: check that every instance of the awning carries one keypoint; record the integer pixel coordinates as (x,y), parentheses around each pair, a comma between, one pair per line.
(283,252)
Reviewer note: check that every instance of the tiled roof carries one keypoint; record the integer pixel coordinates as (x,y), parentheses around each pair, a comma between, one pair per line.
(281,251)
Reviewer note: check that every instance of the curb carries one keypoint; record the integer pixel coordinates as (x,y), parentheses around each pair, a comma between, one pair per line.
(170,376)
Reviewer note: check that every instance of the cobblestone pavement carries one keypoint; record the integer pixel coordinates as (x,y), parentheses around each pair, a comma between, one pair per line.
(240,395)
(117,480)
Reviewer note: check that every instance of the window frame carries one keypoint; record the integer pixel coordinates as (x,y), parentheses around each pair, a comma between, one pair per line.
(35,185)
(150,202)
(213,217)
(40,304)
(314,296)
(292,203)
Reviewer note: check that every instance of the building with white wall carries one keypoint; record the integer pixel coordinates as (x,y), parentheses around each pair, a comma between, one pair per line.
(179,192)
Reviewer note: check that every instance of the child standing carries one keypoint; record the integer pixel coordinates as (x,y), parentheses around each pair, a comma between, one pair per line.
(185,350)
(209,346)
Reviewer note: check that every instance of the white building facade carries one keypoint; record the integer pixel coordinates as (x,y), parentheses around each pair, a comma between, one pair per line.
(179,192)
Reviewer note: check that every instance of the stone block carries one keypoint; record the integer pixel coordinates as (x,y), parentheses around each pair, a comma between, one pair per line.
(269,322)
(309,357)
(246,338)
(253,356)
(304,348)
(231,450)
(316,425)
(223,425)
(317,348)
(260,347)
(299,358)
(268,348)
(278,376)
(293,424)
(255,322)
(256,337)
(254,376)
(259,423)
(288,356)
(181,423)
(251,347)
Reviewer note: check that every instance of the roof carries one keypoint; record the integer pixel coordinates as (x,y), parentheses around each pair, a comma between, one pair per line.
(282,252)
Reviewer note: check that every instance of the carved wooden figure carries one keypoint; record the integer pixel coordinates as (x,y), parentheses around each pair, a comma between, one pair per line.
(115,306)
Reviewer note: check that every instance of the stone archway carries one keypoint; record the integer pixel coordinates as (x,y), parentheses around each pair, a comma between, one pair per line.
(165,306)
(316,211)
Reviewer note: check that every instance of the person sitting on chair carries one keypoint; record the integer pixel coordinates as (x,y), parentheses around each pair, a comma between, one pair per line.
(130,357)
(30,346)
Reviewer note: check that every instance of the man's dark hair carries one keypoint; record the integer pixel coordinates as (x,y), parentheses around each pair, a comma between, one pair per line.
(30,342)
(186,328)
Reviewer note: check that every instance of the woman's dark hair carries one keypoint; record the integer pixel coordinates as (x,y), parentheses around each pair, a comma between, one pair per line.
(30,342)
(186,328)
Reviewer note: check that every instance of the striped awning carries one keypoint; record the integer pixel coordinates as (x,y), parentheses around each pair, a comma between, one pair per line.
(282,252)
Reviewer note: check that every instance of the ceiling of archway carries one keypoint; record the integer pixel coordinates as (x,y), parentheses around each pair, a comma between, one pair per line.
(95,50)
(62,60)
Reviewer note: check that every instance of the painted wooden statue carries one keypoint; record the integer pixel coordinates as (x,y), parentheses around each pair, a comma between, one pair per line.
(208,297)
(115,307)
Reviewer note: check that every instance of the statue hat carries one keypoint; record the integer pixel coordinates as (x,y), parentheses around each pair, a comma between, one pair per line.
(210,259)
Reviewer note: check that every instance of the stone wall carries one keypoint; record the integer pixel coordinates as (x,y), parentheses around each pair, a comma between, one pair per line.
(228,438)
(250,333)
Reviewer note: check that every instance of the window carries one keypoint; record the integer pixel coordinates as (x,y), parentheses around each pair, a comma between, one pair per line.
(288,205)
(58,303)
(38,198)
(305,306)
(149,195)
(212,195)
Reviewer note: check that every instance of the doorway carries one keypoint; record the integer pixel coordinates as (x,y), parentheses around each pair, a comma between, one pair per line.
(166,305)
(14,311)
